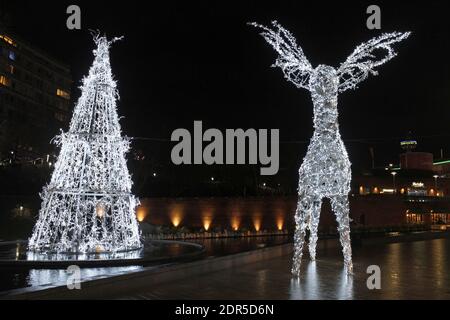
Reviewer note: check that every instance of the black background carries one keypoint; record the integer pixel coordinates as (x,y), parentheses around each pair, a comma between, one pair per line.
(181,62)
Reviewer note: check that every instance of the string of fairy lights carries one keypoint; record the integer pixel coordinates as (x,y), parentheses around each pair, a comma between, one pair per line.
(88,205)
(325,171)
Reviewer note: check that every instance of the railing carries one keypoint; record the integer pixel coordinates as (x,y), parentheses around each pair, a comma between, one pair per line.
(213,235)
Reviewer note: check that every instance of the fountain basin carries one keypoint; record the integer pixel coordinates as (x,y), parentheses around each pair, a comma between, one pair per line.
(16,254)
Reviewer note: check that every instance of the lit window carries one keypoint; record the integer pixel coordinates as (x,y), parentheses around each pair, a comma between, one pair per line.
(12,55)
(11,69)
(8,40)
(62,94)
(4,81)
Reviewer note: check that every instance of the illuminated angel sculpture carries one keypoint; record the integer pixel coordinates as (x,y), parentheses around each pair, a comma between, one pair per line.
(88,205)
(325,171)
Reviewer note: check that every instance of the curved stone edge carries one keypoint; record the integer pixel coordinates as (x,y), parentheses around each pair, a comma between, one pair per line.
(58,264)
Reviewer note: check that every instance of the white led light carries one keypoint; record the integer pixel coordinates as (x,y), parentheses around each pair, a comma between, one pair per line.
(325,171)
(88,205)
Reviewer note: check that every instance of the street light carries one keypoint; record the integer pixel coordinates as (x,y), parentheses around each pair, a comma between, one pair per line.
(393,180)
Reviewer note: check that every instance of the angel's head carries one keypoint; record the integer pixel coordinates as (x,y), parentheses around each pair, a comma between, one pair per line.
(324,80)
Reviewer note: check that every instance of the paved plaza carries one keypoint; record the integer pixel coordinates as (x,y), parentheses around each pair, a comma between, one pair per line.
(409,270)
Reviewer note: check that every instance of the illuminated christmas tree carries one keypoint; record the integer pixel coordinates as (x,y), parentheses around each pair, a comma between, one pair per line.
(325,171)
(88,205)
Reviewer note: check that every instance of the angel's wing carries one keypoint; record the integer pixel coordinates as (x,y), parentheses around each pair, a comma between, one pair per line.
(291,59)
(364,60)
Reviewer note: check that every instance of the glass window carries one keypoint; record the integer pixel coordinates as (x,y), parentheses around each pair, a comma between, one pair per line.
(414,218)
(4,81)
(12,55)
(62,94)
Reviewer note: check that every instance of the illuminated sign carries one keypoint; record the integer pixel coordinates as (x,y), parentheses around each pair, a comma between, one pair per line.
(418,184)
(408,143)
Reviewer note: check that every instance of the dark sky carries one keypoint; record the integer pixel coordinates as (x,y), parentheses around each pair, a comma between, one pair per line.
(181,62)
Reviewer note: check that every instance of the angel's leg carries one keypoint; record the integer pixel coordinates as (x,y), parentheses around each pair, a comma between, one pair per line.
(341,209)
(313,227)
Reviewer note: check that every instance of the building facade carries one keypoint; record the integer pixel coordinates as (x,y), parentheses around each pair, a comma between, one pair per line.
(415,192)
(35,94)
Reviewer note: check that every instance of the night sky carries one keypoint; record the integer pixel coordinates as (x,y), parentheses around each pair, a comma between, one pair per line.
(182,62)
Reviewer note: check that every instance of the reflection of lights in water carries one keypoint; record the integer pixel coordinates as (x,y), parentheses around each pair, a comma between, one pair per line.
(207,222)
(310,286)
(307,287)
(394,255)
(176,215)
(263,286)
(54,277)
(141,214)
(345,287)
(439,264)
(295,289)
(312,281)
